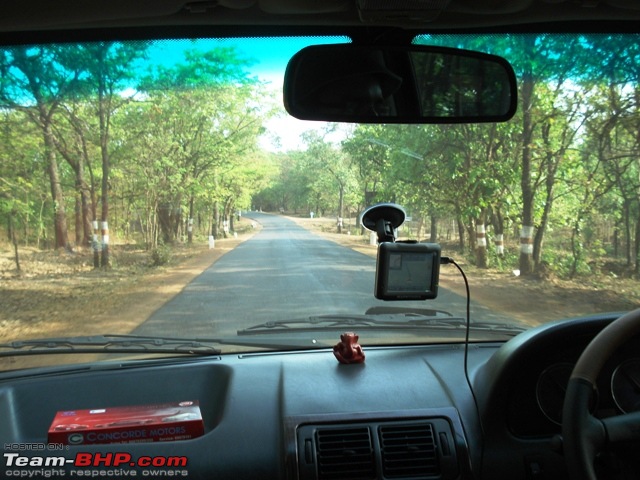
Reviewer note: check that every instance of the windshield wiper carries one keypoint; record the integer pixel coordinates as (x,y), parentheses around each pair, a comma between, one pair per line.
(396,321)
(147,344)
(108,344)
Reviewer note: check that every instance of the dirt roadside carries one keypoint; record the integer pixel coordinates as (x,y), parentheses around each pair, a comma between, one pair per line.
(60,294)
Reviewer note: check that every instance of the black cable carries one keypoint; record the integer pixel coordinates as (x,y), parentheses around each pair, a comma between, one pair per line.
(447,261)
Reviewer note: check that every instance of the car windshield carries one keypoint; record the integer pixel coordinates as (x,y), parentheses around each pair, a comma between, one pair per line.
(160,189)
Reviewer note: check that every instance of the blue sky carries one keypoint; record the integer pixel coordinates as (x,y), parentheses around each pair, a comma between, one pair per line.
(269,56)
(269,59)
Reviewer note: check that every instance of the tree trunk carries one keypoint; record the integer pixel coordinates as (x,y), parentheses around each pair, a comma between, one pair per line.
(471,233)
(78,219)
(461,229)
(169,220)
(576,246)
(498,227)
(86,216)
(526,234)
(190,222)
(14,240)
(104,119)
(433,231)
(59,213)
(105,260)
(627,230)
(340,208)
(481,242)
(215,228)
(539,236)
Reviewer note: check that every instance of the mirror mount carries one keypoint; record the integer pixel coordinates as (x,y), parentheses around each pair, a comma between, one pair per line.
(384,219)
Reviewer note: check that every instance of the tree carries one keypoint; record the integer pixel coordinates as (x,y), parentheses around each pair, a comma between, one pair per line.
(370,155)
(18,182)
(331,171)
(71,140)
(110,70)
(36,80)
(612,132)
(287,184)
(190,132)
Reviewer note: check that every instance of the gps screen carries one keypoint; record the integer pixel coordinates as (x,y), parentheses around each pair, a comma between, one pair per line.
(407,271)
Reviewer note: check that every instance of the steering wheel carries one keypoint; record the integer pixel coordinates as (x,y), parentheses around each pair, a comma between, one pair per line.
(584,435)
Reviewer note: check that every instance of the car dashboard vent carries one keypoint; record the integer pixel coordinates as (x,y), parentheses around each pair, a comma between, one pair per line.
(408,451)
(344,453)
(419,449)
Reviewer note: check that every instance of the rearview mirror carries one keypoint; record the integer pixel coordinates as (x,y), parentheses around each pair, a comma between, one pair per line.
(399,84)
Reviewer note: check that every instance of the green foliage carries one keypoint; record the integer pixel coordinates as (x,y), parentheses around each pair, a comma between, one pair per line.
(218,67)
(183,140)
(506,262)
(160,256)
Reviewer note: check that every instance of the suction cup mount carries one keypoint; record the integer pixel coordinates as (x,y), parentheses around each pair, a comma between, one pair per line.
(384,219)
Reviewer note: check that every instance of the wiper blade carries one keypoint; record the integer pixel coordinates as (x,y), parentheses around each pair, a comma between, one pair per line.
(395,321)
(353,320)
(108,344)
(148,345)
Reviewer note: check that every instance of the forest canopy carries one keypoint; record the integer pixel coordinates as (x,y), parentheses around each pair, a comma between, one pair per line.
(159,142)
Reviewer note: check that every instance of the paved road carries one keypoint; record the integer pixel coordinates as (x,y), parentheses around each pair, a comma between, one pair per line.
(283,272)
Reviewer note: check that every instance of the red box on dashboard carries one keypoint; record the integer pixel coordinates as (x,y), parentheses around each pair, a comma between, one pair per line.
(134,424)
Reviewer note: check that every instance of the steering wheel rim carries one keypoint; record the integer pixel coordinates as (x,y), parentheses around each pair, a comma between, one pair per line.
(583,434)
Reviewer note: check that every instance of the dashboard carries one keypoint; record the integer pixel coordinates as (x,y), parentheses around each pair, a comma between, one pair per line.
(407,412)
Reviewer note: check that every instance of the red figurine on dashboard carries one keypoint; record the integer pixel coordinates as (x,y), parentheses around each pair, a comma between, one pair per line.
(348,350)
